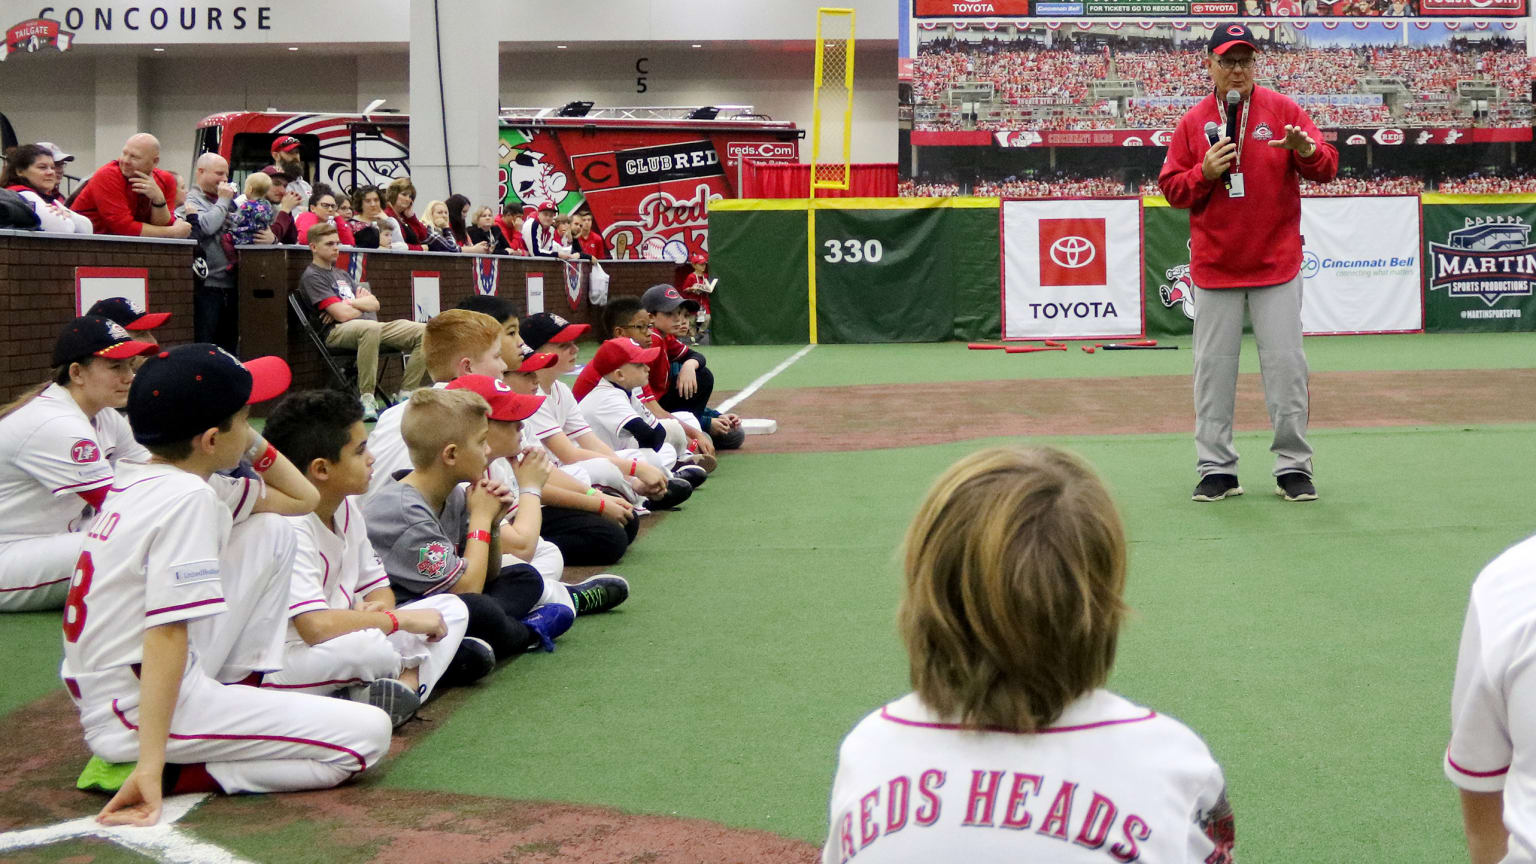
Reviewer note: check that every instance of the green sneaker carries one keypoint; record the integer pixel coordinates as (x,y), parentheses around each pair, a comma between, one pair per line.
(103,776)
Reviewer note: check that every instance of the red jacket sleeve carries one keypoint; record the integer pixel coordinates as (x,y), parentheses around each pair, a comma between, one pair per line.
(108,203)
(1182,179)
(283,228)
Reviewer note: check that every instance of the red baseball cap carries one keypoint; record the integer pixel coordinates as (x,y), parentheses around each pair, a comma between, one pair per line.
(533,362)
(617,352)
(699,258)
(506,405)
(548,205)
(1225,36)
(285,144)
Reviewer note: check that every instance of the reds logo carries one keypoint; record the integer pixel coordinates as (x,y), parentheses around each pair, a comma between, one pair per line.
(1389,136)
(1235,30)
(84,451)
(432,559)
(1262,132)
(1162,137)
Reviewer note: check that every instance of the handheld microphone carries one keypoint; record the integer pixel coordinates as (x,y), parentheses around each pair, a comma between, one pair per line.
(1234,99)
(1213,132)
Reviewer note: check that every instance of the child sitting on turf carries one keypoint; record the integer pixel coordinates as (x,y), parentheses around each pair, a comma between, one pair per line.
(523,469)
(344,630)
(620,421)
(625,318)
(179,604)
(683,383)
(1011,610)
(436,535)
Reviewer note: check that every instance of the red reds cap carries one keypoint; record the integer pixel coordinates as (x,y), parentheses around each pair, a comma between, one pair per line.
(1227,35)
(698,258)
(548,205)
(286,144)
(506,405)
(533,362)
(127,313)
(543,328)
(97,336)
(616,352)
(187,390)
(665,298)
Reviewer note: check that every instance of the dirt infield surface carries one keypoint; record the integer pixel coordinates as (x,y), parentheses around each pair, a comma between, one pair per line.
(822,419)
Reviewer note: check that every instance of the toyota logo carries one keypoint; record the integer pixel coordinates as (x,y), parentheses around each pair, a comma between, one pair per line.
(1073,252)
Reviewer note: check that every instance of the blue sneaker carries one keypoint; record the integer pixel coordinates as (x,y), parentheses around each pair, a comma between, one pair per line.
(549,622)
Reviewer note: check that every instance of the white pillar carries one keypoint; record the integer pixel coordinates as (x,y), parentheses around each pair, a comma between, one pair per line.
(466,74)
(120,109)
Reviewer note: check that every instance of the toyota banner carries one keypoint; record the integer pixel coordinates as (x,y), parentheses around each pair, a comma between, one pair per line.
(1072,269)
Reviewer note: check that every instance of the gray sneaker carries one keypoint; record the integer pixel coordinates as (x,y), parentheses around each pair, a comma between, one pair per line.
(395,698)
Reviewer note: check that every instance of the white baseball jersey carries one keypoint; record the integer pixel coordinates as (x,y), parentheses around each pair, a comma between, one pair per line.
(1110,781)
(1493,703)
(150,558)
(559,413)
(334,565)
(50,452)
(608,407)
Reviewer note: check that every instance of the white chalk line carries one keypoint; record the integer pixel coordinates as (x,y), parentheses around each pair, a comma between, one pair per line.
(162,842)
(752,388)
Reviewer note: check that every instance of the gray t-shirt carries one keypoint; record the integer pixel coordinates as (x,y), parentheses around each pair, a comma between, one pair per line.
(419,548)
(321,288)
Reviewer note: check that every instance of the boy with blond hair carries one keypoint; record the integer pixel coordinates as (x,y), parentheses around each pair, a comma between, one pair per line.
(1011,611)
(438,528)
(345,631)
(589,527)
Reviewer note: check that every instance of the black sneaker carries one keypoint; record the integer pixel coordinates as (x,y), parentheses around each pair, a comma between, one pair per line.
(694,474)
(1295,486)
(474,660)
(1214,487)
(599,594)
(678,491)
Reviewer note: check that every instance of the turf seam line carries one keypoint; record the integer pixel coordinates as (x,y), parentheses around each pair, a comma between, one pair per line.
(727,405)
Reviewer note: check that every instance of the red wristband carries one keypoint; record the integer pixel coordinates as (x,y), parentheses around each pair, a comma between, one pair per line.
(601,503)
(394,623)
(267,460)
(634,465)
(482,536)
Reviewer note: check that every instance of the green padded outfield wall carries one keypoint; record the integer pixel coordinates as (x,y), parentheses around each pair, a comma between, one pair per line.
(887,270)
(1165,284)
(759,257)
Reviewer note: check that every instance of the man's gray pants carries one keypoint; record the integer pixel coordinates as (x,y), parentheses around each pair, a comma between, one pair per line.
(1276,314)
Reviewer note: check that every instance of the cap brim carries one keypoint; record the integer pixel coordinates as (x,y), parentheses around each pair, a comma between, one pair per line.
(646,355)
(149,321)
(535,362)
(124,350)
(1228,46)
(570,333)
(270,377)
(523,408)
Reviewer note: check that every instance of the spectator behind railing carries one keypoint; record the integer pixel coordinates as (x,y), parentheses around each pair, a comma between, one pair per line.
(322,208)
(130,196)
(458,225)
(368,201)
(31,172)
(589,243)
(399,199)
(439,238)
(485,232)
(254,214)
(215,304)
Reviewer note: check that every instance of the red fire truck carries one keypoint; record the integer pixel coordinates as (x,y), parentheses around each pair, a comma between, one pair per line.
(646,174)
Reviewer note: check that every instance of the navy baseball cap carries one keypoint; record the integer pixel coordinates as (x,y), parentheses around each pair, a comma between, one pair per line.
(127,313)
(542,328)
(665,298)
(1227,35)
(187,390)
(95,336)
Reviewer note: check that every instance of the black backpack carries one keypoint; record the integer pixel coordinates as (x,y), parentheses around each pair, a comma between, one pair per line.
(15,212)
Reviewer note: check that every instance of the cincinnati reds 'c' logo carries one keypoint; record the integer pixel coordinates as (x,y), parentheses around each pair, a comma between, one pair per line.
(1235,30)
(1073,252)
(84,451)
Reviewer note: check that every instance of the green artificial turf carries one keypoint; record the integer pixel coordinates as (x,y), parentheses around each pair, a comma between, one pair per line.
(1312,645)
(36,647)
(849,365)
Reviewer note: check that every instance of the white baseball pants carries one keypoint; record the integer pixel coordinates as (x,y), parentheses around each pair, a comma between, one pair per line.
(35,572)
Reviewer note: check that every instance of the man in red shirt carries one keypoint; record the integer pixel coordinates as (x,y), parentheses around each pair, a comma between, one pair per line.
(130,196)
(1244,200)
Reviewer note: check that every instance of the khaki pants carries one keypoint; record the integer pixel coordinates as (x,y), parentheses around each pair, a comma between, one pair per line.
(365,337)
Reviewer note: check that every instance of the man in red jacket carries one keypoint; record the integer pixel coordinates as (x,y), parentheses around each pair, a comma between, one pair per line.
(130,196)
(1244,200)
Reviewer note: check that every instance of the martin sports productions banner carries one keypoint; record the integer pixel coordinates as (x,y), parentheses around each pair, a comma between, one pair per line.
(1480,264)
(1072,269)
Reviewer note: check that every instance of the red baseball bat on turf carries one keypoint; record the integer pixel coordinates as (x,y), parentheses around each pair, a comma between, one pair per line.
(982,346)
